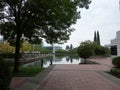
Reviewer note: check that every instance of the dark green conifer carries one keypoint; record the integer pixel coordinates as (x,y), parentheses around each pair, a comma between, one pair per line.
(98,38)
(95,37)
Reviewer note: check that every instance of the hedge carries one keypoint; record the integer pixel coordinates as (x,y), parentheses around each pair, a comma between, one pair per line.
(116,61)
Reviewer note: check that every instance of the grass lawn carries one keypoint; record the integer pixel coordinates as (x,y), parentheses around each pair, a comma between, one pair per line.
(28,71)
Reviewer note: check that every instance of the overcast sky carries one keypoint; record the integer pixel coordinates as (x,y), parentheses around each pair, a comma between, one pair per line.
(104,16)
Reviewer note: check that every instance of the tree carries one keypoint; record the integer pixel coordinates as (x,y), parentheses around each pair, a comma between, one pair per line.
(100,50)
(26,46)
(32,19)
(71,46)
(88,48)
(67,47)
(95,37)
(98,38)
(6,48)
(85,50)
(73,51)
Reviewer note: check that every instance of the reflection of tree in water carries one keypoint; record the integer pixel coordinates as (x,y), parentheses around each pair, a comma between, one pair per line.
(74,57)
(71,60)
(56,59)
(67,59)
(45,62)
(51,61)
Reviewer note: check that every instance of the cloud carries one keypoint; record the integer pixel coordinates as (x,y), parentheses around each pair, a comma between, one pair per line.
(103,15)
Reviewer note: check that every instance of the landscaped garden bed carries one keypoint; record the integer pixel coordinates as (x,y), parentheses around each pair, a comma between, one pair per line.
(116,70)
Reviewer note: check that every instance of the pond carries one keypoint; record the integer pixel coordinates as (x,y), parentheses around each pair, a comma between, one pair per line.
(45,62)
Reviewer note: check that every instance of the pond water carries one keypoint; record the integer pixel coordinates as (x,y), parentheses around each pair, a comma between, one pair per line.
(45,62)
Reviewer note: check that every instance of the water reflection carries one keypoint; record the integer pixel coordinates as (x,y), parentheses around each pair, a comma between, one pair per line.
(45,62)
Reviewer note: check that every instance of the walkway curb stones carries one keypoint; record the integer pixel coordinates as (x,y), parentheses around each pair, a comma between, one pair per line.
(110,77)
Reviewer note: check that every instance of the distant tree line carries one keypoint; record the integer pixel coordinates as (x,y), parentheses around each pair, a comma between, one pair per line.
(69,47)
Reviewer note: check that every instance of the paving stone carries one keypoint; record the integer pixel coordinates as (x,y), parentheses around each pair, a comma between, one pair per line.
(72,77)
(78,80)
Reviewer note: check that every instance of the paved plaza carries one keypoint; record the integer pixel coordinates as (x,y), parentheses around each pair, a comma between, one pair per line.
(71,77)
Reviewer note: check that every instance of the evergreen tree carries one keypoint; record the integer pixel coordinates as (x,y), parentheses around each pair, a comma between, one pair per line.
(95,37)
(67,47)
(98,38)
(71,46)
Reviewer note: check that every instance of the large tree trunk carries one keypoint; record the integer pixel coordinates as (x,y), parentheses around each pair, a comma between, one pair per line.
(17,45)
(18,37)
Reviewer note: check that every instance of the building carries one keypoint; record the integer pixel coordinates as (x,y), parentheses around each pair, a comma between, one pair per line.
(115,45)
(51,47)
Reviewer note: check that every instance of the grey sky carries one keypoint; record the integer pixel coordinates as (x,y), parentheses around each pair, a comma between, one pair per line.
(104,16)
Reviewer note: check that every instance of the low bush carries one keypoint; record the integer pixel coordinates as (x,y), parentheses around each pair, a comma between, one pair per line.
(8,55)
(116,61)
(115,72)
(5,76)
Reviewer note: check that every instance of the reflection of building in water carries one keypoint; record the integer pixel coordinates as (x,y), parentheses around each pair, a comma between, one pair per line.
(55,47)
(115,45)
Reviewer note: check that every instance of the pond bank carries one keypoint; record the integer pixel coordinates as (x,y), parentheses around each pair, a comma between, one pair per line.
(28,59)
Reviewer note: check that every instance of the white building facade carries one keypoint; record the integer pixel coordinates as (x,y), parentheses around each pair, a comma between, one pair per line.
(115,44)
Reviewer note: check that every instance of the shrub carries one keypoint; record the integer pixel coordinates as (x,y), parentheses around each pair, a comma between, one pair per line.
(88,48)
(115,72)
(61,52)
(85,49)
(100,50)
(8,55)
(116,61)
(5,76)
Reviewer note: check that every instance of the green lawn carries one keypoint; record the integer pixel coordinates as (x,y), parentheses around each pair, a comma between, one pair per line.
(28,71)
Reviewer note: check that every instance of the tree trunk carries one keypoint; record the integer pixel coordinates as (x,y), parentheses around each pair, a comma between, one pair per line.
(17,53)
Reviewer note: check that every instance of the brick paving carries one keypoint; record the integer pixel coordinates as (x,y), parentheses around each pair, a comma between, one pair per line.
(104,61)
(79,77)
(89,67)
(77,80)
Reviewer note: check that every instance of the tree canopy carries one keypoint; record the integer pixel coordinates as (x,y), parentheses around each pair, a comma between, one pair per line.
(35,19)
(46,19)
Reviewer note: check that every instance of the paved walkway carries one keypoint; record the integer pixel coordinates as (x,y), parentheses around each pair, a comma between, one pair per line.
(72,77)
